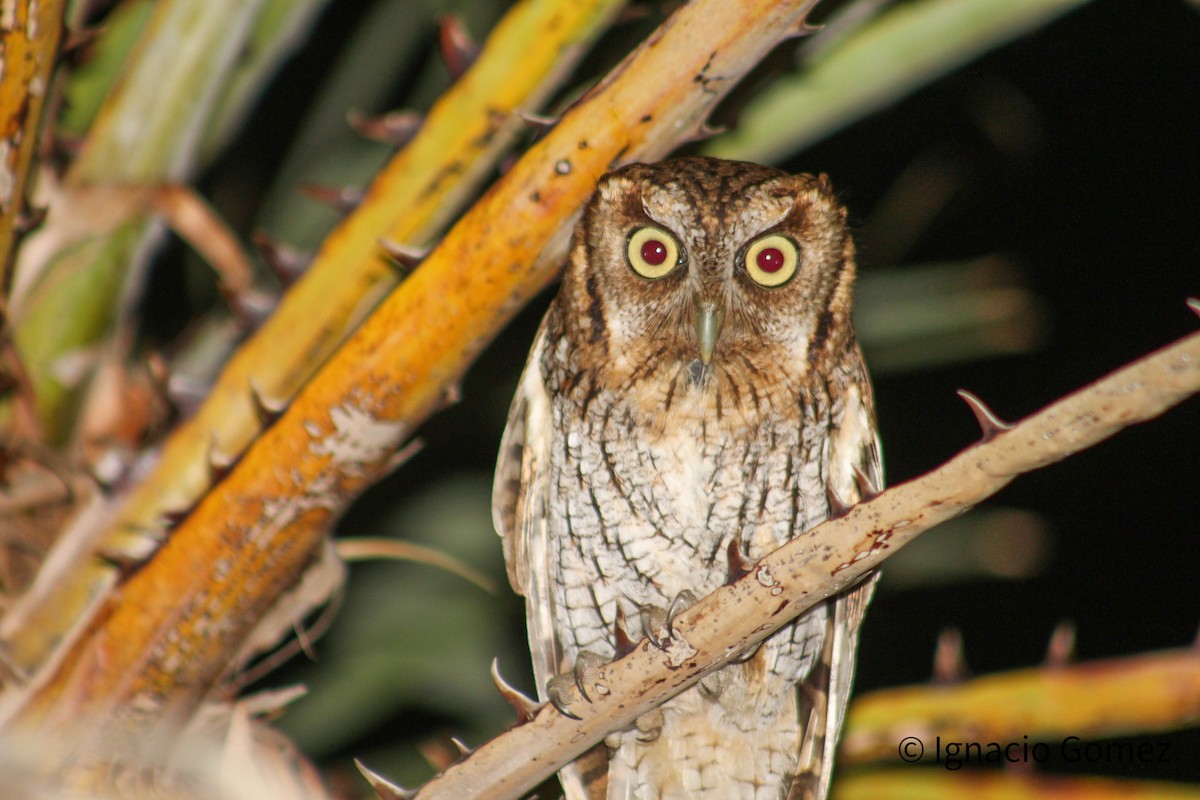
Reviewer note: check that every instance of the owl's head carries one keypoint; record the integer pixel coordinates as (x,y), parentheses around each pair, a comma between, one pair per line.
(699,261)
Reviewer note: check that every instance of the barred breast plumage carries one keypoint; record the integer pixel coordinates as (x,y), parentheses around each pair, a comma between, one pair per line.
(694,396)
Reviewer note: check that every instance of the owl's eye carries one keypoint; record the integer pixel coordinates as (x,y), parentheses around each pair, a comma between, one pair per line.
(771,261)
(652,252)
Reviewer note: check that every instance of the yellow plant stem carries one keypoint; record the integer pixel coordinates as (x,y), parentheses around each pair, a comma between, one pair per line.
(1138,694)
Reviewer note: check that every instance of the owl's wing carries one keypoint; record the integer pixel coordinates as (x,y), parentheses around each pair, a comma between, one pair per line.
(825,693)
(520,496)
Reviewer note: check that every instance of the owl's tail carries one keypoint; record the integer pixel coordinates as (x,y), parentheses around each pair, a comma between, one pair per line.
(742,745)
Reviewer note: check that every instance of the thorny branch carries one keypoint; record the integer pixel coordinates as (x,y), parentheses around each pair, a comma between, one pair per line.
(821,563)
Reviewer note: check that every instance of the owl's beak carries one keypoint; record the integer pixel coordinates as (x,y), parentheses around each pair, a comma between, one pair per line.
(709,316)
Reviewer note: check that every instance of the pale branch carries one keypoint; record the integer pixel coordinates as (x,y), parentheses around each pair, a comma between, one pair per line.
(815,566)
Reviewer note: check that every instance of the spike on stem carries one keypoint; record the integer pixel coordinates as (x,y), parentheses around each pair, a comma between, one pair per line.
(134,555)
(739,564)
(525,706)
(123,563)
(460,745)
(803,29)
(382,786)
(837,506)
(702,133)
(173,517)
(868,489)
(989,422)
(267,411)
(395,128)
(250,307)
(29,218)
(540,123)
(459,50)
(342,200)
(634,12)
(219,463)
(949,663)
(405,453)
(287,263)
(452,395)
(1061,650)
(186,394)
(1194,304)
(78,39)
(404,256)
(626,644)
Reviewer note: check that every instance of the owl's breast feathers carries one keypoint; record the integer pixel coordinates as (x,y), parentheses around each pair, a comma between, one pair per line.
(646,440)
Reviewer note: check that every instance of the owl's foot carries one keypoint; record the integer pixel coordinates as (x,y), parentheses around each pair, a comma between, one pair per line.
(583,676)
(650,725)
(656,619)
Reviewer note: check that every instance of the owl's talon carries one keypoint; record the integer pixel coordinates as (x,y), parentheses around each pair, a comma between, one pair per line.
(586,673)
(712,684)
(583,676)
(682,602)
(650,725)
(746,655)
(654,618)
(558,692)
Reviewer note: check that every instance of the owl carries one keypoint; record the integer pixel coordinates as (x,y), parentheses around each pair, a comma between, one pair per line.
(695,398)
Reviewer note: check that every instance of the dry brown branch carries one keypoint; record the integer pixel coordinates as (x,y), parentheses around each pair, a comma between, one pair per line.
(817,565)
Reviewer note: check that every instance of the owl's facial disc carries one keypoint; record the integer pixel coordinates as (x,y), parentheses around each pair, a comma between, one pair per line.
(709,316)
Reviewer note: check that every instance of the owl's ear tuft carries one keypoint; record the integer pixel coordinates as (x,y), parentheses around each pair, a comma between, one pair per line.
(824,183)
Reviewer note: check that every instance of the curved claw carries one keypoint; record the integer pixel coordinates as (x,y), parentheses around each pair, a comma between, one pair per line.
(650,725)
(682,602)
(558,691)
(586,673)
(583,676)
(653,618)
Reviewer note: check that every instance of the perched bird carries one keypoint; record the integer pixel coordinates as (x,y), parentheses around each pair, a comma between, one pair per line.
(695,397)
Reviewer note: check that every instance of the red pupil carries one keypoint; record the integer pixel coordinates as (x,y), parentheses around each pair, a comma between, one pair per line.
(770,259)
(654,252)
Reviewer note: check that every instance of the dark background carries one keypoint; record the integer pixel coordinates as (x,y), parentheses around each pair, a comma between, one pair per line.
(1099,210)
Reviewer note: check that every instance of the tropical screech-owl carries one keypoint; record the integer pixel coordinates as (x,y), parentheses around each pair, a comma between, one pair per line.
(695,397)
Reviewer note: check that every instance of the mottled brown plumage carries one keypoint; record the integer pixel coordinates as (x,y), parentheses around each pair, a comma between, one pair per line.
(694,396)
